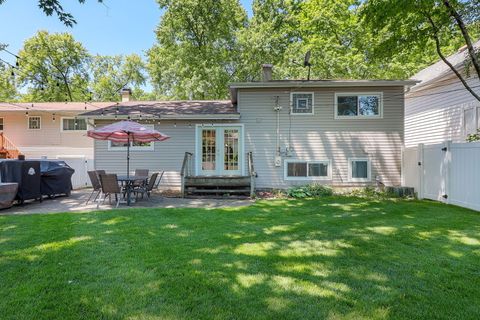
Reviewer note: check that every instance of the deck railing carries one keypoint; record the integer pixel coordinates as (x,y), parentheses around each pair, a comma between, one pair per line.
(8,148)
(186,169)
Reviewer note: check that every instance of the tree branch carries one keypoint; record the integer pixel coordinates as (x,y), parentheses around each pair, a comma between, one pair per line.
(466,36)
(444,59)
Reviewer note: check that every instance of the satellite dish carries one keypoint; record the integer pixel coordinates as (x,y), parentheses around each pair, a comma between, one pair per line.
(306,62)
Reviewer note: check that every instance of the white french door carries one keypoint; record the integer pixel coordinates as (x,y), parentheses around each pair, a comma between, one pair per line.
(219,150)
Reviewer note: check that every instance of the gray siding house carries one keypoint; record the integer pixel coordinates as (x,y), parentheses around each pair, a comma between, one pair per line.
(335,132)
(439,108)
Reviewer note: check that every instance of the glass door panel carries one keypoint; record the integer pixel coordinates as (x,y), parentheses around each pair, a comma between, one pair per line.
(209,150)
(230,152)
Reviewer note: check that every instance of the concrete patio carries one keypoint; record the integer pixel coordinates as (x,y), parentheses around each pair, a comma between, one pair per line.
(76,203)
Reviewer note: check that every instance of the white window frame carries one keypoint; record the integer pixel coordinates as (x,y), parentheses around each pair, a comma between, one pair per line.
(369,170)
(3,124)
(308,178)
(292,110)
(71,118)
(358,94)
(39,122)
(151,147)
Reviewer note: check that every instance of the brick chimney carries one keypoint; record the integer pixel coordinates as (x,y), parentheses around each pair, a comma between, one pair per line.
(267,70)
(126,94)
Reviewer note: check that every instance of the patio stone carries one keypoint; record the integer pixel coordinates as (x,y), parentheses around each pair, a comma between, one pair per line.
(76,203)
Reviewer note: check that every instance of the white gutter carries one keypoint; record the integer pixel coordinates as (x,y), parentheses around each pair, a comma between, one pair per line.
(324,84)
(165,117)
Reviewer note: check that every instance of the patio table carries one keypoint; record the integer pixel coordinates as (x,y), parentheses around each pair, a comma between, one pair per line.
(129,181)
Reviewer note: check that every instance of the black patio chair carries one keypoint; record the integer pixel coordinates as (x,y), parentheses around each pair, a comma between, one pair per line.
(110,186)
(97,187)
(146,189)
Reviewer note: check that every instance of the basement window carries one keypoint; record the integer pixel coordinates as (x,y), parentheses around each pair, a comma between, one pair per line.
(359,170)
(307,170)
(302,103)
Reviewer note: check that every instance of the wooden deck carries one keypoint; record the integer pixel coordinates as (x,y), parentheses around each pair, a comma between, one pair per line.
(216,185)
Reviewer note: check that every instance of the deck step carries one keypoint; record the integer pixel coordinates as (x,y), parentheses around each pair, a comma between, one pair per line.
(196,190)
(218,181)
(217,185)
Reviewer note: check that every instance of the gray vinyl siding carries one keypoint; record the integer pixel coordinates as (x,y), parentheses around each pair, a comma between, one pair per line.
(321,137)
(314,137)
(436,114)
(167,155)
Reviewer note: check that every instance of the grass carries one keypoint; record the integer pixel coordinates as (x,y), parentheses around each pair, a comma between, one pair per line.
(334,258)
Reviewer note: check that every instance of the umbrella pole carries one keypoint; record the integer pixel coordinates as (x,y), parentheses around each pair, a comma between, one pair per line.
(128,170)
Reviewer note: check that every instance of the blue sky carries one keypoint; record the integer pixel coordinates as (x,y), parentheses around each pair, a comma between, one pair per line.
(116,27)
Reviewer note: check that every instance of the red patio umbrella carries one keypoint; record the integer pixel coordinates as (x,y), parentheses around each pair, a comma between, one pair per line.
(126,132)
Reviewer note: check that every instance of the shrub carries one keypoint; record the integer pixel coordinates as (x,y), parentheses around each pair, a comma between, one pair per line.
(310,191)
(474,136)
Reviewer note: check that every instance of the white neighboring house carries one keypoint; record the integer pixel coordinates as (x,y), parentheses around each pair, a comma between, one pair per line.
(439,108)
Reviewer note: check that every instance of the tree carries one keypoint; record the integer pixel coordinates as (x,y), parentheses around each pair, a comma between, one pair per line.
(196,54)
(282,31)
(8,89)
(271,31)
(112,73)
(425,26)
(54,68)
(50,7)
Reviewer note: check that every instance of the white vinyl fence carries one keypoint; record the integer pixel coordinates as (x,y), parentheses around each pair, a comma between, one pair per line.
(447,172)
(81,165)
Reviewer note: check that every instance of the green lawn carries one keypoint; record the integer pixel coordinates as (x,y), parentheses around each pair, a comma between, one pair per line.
(334,258)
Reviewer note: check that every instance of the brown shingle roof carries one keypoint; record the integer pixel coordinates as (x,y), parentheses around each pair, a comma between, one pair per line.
(166,108)
(53,106)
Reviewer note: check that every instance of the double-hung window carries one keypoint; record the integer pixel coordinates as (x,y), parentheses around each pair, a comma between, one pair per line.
(302,103)
(359,170)
(307,170)
(361,105)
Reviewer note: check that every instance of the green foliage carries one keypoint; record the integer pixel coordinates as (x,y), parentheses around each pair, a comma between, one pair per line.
(282,31)
(112,73)
(8,90)
(50,7)
(196,53)
(310,191)
(54,67)
(407,32)
(474,137)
